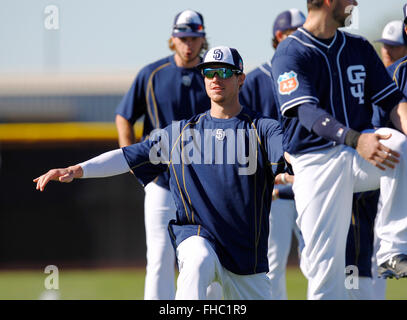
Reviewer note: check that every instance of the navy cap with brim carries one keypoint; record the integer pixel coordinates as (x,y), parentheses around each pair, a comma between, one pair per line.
(222,55)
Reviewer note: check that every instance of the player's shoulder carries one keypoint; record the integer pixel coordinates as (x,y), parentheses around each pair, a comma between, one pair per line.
(397,67)
(354,39)
(262,70)
(294,43)
(156,65)
(296,46)
(195,120)
(259,74)
(259,120)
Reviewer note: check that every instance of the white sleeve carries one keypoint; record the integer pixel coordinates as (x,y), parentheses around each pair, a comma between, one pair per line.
(107,164)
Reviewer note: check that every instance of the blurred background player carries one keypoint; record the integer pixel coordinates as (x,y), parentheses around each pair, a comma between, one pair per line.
(394,41)
(163,91)
(396,70)
(257,94)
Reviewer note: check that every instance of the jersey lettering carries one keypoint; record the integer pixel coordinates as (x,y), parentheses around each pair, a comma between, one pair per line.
(357,76)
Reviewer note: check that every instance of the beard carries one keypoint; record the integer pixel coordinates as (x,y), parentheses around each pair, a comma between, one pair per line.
(342,16)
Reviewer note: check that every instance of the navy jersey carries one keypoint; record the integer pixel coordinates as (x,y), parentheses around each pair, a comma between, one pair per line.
(344,78)
(221,178)
(257,93)
(164,92)
(398,73)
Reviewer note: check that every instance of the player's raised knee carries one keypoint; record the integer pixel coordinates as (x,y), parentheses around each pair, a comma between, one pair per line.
(397,141)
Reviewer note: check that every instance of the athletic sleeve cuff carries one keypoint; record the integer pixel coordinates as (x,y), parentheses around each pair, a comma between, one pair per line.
(352,138)
(108,164)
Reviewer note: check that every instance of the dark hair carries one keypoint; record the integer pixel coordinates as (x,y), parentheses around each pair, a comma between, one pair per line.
(314,4)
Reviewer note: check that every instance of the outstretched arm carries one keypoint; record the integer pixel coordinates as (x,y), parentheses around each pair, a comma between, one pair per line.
(107,164)
(61,175)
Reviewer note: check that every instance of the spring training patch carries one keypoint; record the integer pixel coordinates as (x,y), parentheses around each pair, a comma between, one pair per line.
(288,83)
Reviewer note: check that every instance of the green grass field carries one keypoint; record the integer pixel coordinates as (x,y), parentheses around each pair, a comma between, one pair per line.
(126,284)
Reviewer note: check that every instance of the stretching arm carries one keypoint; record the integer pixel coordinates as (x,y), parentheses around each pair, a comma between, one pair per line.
(107,164)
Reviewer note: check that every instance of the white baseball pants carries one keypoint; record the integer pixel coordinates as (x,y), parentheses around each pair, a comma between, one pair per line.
(324,183)
(379,284)
(282,225)
(159,209)
(199,266)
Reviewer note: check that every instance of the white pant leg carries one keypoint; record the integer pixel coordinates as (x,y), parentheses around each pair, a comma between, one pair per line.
(391,220)
(159,209)
(282,221)
(214,291)
(246,287)
(363,289)
(323,196)
(199,266)
(379,284)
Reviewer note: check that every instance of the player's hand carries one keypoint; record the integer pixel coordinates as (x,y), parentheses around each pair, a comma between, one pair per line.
(284,178)
(61,175)
(370,148)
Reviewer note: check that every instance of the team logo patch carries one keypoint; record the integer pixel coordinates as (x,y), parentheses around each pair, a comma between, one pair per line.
(218,54)
(288,83)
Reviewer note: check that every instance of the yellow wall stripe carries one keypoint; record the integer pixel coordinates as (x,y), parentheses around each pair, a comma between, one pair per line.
(64,131)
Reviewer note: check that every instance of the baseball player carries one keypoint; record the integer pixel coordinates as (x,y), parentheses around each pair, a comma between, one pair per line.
(222,165)
(397,73)
(394,42)
(163,91)
(256,93)
(325,81)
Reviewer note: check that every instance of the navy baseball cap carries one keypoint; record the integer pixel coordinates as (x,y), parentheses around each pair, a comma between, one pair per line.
(393,34)
(188,23)
(222,55)
(289,19)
